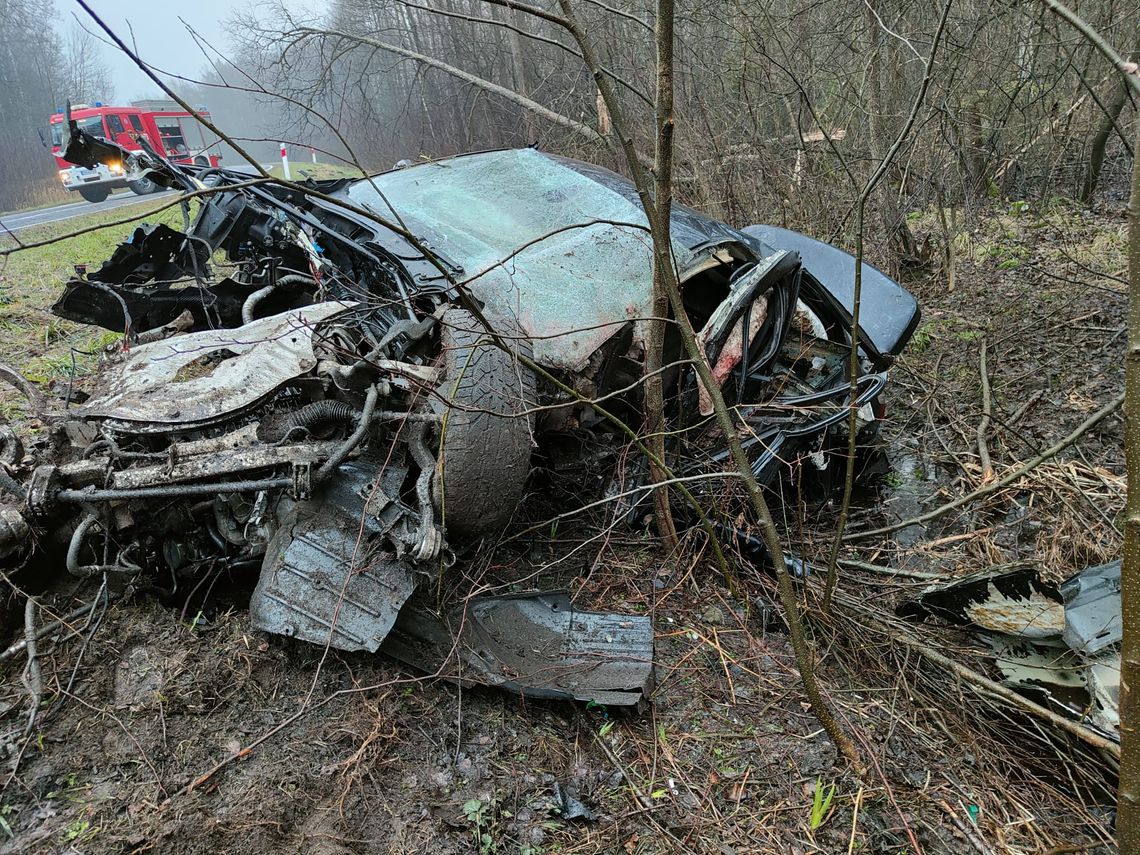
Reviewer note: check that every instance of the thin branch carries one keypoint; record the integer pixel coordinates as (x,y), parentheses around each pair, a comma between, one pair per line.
(853,364)
(1129,70)
(1004,481)
(551,116)
(475,19)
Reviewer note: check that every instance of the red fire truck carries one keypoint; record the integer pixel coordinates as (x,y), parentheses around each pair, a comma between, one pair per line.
(168,128)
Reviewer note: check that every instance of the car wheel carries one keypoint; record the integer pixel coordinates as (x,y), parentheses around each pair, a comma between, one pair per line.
(484,396)
(142,186)
(94,194)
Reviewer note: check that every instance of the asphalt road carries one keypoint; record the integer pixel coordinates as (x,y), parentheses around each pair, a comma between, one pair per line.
(58,213)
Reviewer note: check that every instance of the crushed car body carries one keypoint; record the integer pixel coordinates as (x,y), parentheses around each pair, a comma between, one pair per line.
(343,386)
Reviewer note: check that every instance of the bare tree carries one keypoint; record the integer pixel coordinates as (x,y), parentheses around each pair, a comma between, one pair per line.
(1128,793)
(85,75)
(30,83)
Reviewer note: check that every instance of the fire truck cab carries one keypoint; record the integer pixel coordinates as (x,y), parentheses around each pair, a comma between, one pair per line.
(169,129)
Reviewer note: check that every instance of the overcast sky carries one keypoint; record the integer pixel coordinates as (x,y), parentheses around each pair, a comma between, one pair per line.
(159,35)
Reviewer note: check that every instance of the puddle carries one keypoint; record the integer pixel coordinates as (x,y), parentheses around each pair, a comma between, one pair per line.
(905,488)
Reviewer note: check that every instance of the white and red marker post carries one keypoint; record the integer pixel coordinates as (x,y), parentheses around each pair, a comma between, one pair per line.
(285,163)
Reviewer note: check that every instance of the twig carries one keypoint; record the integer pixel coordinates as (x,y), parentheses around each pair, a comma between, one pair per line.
(93,621)
(853,365)
(889,571)
(1020,412)
(855,820)
(642,799)
(1127,70)
(969,833)
(984,424)
(143,754)
(34,680)
(49,628)
(980,682)
(178,200)
(1007,479)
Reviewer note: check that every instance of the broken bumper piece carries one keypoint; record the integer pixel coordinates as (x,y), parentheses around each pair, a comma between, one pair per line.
(535,645)
(329,579)
(1058,645)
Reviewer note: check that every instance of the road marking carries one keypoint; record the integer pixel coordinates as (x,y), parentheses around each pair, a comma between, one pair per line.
(70,213)
(19,220)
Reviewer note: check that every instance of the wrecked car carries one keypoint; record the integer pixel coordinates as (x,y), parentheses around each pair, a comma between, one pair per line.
(340,386)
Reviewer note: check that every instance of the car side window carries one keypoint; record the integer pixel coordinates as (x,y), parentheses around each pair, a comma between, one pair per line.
(115,124)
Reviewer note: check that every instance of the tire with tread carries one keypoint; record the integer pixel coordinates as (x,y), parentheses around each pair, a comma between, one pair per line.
(483,394)
(95,194)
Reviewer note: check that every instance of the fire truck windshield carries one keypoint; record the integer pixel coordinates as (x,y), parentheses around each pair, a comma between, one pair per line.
(92,125)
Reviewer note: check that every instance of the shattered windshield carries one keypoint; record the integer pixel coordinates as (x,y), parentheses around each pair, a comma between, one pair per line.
(574,263)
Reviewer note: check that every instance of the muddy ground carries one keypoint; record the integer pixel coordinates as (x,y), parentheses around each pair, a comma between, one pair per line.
(169,726)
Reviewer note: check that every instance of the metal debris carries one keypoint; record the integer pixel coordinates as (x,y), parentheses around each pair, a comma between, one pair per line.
(1059,645)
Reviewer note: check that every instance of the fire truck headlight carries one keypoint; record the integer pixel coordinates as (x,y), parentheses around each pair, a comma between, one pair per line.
(63,175)
(116,168)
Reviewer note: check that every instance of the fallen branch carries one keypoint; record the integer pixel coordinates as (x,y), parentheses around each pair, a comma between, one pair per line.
(1007,479)
(49,628)
(984,424)
(1020,412)
(34,680)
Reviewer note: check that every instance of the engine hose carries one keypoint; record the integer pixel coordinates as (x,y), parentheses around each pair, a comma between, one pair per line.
(429,540)
(260,294)
(322,413)
(416,444)
(346,447)
(88,570)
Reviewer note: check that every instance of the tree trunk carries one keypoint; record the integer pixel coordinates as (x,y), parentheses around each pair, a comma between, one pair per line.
(895,227)
(662,264)
(1100,141)
(1128,797)
(668,279)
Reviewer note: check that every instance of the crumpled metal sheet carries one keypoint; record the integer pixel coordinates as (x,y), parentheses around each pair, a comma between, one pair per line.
(1016,602)
(330,575)
(199,378)
(1092,609)
(1056,645)
(536,645)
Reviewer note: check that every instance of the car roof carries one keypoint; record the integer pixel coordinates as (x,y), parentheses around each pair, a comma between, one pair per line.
(575,236)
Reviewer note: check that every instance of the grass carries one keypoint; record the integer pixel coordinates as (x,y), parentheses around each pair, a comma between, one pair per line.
(33,340)
(317,171)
